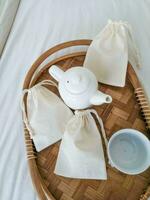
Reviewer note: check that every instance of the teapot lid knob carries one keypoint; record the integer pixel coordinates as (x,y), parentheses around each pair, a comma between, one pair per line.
(76,79)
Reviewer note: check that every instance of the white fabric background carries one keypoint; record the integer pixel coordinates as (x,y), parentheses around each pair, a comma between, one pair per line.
(40,25)
(8,9)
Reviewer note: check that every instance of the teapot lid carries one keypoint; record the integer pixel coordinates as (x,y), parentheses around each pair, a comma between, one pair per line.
(78,80)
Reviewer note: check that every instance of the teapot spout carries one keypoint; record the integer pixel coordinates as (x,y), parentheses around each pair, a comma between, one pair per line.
(100,98)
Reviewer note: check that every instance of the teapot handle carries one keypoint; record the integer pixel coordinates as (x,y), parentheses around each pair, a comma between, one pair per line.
(56,72)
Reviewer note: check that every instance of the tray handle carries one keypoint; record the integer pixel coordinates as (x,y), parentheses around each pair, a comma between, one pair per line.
(140,95)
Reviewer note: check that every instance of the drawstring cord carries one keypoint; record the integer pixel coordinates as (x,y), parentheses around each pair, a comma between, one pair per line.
(99,121)
(46,82)
(25,118)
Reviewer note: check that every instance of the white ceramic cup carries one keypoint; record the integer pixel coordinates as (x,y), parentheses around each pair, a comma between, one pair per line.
(129,151)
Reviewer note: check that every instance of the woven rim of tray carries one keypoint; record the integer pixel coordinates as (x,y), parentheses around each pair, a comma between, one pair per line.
(37,180)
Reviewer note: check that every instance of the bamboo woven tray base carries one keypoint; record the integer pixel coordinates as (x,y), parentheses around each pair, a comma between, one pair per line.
(123,112)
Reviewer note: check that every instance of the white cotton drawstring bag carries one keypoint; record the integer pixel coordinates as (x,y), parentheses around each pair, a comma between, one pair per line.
(46,115)
(81,152)
(108,55)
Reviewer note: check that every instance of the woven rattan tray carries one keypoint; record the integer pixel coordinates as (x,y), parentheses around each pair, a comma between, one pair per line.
(123,112)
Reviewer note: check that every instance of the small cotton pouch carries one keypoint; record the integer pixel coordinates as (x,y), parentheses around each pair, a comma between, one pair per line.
(46,115)
(81,152)
(108,55)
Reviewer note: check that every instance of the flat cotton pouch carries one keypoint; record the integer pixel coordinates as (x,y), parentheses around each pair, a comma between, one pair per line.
(81,151)
(108,55)
(46,115)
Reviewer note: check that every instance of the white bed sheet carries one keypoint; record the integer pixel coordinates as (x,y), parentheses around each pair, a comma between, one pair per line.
(38,26)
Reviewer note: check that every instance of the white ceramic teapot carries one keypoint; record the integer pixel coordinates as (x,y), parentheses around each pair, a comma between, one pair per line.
(78,87)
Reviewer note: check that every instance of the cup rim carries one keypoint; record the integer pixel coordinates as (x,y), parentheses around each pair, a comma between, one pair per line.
(133,132)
